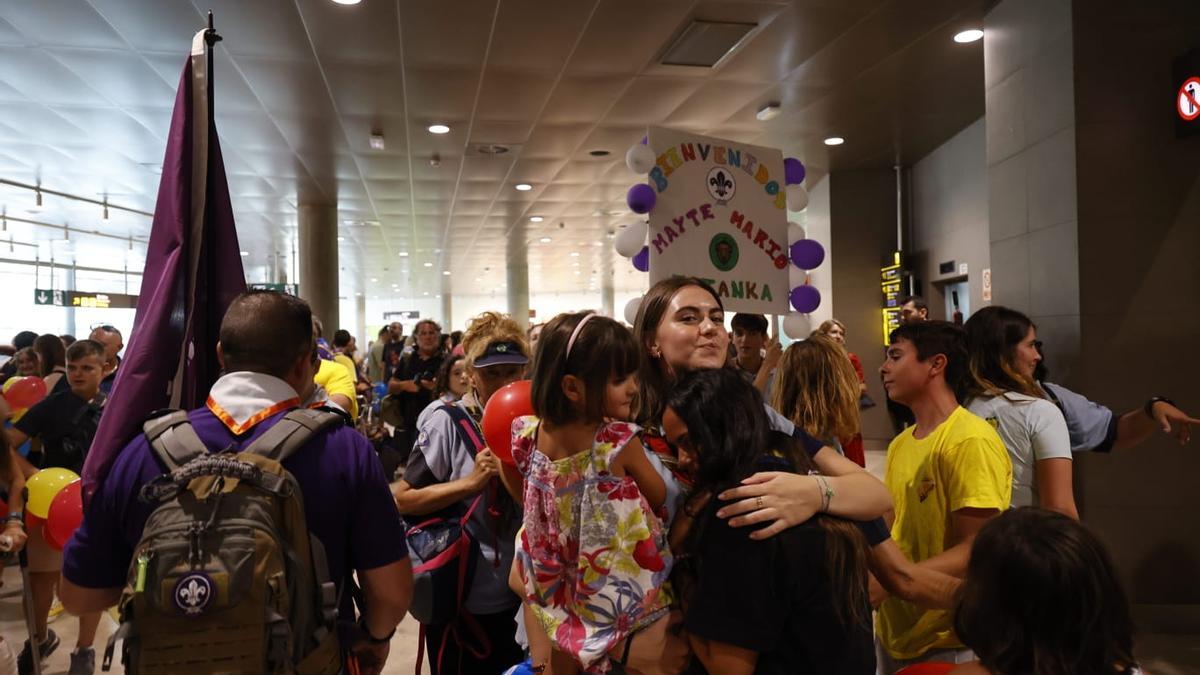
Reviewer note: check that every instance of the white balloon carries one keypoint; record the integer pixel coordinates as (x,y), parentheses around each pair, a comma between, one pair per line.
(640,158)
(797,326)
(631,310)
(631,239)
(796,276)
(796,232)
(797,198)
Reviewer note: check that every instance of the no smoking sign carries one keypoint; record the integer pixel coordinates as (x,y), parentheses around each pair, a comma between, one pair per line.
(1187,103)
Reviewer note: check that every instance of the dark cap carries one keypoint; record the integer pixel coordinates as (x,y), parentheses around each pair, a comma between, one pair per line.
(498,353)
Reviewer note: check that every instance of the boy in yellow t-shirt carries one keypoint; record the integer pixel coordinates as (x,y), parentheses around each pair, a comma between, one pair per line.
(948,474)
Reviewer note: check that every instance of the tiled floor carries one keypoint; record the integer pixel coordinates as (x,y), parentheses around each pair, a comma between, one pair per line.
(1162,654)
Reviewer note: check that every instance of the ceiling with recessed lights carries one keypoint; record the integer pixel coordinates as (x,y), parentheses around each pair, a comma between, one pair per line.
(469,100)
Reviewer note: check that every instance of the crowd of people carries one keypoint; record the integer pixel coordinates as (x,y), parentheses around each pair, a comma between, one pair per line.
(683,497)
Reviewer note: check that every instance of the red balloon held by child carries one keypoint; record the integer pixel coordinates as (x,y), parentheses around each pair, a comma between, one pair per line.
(25,392)
(507,404)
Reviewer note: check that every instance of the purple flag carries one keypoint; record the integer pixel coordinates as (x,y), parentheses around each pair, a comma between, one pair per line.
(193,271)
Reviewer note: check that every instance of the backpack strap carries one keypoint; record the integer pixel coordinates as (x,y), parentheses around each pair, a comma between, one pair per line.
(173,439)
(465,425)
(292,432)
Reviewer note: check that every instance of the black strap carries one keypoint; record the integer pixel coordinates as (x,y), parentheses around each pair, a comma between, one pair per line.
(173,439)
(466,427)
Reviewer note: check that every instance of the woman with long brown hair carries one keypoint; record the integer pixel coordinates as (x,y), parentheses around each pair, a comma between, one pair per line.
(680,327)
(852,446)
(1001,388)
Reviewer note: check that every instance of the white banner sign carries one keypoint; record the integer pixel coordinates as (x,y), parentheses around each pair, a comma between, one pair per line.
(721,215)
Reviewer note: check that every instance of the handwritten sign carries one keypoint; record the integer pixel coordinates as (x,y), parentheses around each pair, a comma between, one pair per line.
(721,215)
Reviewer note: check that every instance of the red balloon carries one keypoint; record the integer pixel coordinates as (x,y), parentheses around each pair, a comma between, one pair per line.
(51,540)
(66,513)
(25,393)
(510,402)
(32,521)
(932,668)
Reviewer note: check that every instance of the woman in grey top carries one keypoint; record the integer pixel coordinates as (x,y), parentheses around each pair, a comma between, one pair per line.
(1003,391)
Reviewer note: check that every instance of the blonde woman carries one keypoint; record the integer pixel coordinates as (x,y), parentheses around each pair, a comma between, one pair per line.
(818,391)
(836,331)
(445,476)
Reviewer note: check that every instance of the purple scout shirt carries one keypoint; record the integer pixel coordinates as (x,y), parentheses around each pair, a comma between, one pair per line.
(346,501)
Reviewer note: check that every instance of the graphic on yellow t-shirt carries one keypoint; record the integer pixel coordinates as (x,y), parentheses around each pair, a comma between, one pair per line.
(961,464)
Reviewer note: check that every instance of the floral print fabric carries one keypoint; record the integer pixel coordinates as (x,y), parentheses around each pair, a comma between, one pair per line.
(591,554)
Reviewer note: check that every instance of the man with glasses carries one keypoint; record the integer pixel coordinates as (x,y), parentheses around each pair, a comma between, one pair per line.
(109,336)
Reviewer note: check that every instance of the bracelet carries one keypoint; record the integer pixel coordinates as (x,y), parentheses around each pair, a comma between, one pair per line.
(826,492)
(371,639)
(1149,407)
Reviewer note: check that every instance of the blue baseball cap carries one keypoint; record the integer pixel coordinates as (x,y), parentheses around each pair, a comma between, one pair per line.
(498,353)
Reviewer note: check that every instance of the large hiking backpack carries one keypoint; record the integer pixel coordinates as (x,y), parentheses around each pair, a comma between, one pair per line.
(226,577)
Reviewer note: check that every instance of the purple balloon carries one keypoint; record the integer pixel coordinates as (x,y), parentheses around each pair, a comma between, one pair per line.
(641,198)
(645,140)
(641,261)
(805,299)
(793,171)
(807,254)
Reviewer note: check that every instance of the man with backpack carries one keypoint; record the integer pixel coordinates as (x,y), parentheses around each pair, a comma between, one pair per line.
(228,534)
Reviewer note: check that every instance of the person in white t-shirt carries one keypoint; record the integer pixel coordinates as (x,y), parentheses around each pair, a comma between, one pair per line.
(1002,390)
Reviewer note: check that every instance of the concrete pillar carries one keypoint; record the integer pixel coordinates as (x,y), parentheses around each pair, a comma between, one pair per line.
(317,232)
(447,318)
(70,285)
(360,320)
(607,284)
(1029,80)
(517,264)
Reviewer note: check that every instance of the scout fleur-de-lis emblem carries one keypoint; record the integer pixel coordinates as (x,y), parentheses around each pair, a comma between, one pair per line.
(193,593)
(721,185)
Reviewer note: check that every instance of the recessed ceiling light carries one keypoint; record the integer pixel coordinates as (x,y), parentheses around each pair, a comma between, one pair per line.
(429,264)
(445,273)
(545,240)
(968,36)
(523,187)
(347,2)
(341,239)
(536,219)
(403,254)
(834,140)
(478,278)
(439,129)
(768,112)
(574,254)
(374,280)
(599,153)
(577,273)
(425,293)
(376,140)
(245,253)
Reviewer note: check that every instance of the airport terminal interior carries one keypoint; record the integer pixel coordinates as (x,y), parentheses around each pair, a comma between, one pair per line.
(420,162)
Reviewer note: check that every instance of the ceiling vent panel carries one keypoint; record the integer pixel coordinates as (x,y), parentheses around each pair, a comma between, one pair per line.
(704,44)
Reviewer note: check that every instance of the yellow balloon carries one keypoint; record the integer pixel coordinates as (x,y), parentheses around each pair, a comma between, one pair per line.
(43,487)
(10,382)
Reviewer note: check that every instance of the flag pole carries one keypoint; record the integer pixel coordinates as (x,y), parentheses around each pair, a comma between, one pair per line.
(211,38)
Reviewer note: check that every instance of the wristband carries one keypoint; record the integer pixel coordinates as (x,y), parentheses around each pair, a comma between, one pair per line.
(1149,407)
(826,492)
(371,639)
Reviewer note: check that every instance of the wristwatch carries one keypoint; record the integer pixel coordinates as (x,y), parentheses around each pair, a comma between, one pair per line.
(1149,407)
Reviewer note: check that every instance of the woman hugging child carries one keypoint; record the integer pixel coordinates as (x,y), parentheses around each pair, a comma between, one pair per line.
(592,557)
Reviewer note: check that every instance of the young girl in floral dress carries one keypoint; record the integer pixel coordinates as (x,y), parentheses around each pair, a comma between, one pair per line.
(592,556)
